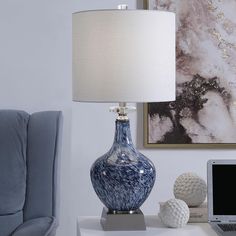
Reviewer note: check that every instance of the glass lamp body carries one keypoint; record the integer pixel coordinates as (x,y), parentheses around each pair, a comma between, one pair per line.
(123,177)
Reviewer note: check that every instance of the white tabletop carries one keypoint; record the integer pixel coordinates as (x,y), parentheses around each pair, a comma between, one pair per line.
(90,226)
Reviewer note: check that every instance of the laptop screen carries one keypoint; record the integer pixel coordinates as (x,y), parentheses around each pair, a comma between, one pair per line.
(224,189)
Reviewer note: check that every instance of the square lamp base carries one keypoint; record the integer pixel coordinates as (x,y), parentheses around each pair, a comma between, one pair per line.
(122,221)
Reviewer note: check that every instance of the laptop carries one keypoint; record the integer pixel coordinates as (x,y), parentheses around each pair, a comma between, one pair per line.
(221,181)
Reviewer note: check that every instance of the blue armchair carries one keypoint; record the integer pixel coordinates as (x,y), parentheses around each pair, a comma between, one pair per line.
(28,172)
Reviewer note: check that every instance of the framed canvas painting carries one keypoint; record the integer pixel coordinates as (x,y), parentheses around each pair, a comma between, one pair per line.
(204,113)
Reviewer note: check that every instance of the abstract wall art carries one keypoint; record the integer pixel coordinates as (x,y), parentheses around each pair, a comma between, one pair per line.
(204,113)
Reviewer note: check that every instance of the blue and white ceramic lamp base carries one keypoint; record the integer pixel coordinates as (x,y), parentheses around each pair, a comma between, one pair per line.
(123,177)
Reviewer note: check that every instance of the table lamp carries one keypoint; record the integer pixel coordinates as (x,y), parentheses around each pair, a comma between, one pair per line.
(123,56)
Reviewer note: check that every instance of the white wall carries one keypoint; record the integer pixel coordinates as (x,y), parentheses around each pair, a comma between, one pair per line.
(35,68)
(35,74)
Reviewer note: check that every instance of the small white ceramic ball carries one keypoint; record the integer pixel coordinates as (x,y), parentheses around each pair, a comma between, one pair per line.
(174,213)
(190,188)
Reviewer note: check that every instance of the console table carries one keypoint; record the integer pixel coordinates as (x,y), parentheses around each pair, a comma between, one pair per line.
(90,226)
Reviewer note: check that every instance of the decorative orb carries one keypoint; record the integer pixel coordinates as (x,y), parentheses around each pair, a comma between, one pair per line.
(190,188)
(174,213)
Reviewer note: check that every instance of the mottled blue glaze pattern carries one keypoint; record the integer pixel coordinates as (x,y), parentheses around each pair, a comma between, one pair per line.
(123,177)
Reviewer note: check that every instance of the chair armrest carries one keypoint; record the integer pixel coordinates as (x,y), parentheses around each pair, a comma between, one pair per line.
(44,226)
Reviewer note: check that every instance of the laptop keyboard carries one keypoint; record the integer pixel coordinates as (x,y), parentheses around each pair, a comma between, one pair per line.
(227,227)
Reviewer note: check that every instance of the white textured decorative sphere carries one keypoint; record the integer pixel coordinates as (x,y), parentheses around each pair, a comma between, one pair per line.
(174,213)
(190,188)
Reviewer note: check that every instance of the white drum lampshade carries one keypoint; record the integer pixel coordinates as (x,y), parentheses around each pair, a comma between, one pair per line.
(123,56)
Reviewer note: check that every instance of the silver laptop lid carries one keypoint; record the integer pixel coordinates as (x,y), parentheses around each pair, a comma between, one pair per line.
(221,181)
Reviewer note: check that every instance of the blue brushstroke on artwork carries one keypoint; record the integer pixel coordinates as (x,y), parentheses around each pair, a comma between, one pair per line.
(123,177)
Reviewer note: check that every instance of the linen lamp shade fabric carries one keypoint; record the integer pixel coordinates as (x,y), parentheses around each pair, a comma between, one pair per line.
(123,56)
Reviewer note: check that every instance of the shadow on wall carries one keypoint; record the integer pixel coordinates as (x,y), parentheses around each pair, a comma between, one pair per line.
(139,128)
(141,4)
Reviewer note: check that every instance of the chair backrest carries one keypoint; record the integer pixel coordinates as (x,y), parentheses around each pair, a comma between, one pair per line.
(13,145)
(29,151)
(42,158)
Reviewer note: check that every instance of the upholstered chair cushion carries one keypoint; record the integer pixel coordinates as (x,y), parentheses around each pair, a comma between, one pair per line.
(37,227)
